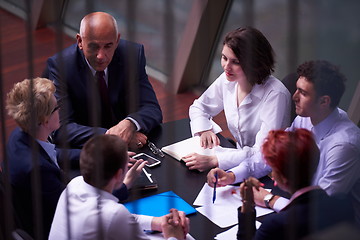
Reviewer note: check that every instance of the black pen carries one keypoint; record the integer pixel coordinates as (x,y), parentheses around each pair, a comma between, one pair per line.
(216,180)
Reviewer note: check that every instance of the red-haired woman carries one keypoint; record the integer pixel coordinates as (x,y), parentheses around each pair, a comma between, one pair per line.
(293,157)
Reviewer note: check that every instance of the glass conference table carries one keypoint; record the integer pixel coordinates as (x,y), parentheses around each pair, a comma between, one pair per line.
(173,175)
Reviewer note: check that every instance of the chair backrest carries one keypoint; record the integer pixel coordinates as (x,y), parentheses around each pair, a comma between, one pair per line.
(9,225)
(290,83)
(6,225)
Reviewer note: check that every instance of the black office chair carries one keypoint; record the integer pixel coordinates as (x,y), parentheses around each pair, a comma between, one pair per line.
(10,230)
(290,83)
(19,234)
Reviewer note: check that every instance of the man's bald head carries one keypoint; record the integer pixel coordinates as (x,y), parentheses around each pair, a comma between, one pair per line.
(98,39)
(96,20)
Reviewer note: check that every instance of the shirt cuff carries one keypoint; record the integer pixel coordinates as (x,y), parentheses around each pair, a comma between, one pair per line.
(240,172)
(199,125)
(172,238)
(230,157)
(280,203)
(138,128)
(216,127)
(144,221)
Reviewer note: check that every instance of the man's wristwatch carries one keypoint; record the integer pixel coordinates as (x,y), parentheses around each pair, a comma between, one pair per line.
(267,199)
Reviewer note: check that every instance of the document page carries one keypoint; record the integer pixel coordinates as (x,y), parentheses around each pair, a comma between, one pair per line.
(231,233)
(160,236)
(223,212)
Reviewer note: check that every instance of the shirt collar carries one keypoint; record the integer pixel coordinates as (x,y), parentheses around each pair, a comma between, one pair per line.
(50,150)
(89,189)
(321,129)
(301,192)
(93,71)
(257,90)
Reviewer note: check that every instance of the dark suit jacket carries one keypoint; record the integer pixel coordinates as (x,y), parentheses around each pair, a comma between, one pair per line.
(307,214)
(131,93)
(51,179)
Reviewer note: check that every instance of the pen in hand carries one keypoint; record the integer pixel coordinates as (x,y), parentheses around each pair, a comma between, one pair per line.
(216,180)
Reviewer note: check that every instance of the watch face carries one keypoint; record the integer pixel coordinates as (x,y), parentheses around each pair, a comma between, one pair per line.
(268,197)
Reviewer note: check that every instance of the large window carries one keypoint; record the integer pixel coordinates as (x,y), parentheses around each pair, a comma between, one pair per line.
(141,21)
(327,29)
(18,3)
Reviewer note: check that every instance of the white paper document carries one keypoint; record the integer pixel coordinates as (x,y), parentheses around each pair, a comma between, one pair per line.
(231,233)
(160,236)
(228,195)
(224,211)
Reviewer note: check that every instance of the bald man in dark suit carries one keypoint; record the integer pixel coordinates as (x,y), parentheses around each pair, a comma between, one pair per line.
(129,109)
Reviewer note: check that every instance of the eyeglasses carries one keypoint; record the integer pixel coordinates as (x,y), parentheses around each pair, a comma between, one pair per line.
(155,150)
(55,109)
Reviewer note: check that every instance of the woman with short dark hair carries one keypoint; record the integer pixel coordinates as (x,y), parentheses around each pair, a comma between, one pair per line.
(254,102)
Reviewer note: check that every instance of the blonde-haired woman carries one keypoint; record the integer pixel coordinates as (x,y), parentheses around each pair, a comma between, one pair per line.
(32,104)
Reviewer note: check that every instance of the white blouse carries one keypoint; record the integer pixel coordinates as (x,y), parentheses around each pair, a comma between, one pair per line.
(265,108)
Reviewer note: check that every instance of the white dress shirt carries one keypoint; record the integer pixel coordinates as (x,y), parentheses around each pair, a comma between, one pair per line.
(266,107)
(338,139)
(91,213)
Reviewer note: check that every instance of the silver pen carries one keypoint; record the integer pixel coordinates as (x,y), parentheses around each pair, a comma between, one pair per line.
(148,175)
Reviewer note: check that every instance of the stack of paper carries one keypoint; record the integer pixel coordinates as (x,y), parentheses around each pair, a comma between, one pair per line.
(180,149)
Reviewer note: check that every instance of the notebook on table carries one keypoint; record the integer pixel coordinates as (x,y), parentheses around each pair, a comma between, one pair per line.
(190,145)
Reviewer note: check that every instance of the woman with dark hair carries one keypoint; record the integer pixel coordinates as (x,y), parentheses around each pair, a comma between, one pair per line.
(293,157)
(254,102)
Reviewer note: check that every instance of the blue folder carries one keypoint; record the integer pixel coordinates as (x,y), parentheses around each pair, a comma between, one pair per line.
(159,205)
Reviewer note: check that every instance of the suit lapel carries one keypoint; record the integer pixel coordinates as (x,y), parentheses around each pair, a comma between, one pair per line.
(42,153)
(84,69)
